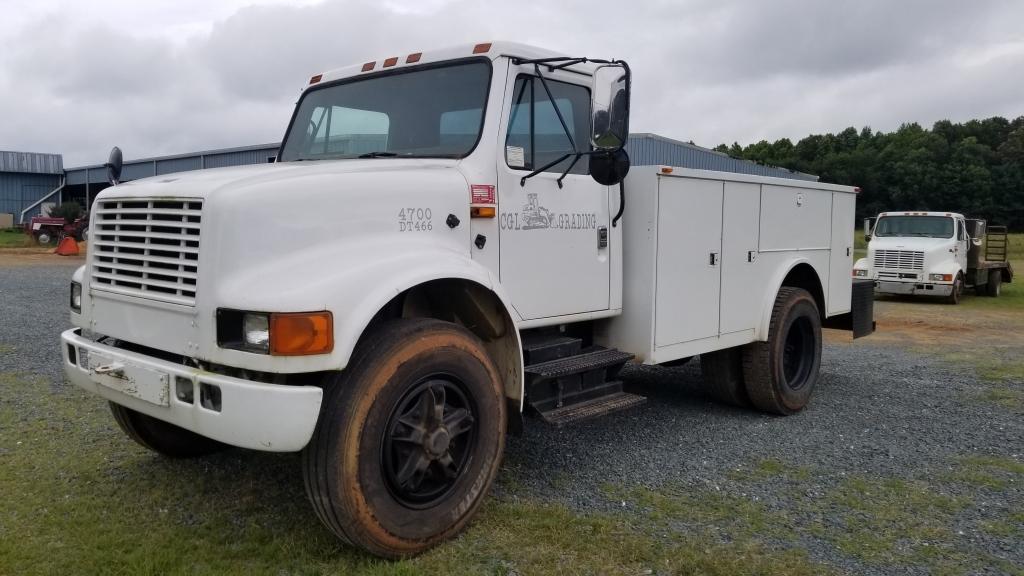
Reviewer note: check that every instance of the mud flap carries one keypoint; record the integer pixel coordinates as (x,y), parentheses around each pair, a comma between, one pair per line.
(861,318)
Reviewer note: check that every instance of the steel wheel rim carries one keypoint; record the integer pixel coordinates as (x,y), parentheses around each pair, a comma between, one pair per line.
(429,440)
(798,353)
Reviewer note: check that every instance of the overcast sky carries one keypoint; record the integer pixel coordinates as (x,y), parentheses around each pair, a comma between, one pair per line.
(169,76)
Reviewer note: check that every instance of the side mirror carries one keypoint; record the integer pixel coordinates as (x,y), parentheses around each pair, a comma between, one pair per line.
(867,237)
(609,122)
(114,164)
(608,168)
(976,241)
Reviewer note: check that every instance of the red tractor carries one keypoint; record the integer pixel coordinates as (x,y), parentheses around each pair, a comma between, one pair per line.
(48,230)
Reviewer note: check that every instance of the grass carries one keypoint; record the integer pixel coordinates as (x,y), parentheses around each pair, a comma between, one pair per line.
(77,497)
(14,238)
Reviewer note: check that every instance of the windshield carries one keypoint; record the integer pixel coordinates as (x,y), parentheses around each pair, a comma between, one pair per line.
(423,112)
(924,226)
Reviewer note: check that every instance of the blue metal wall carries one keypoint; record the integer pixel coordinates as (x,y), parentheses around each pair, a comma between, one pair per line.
(19,191)
(651,149)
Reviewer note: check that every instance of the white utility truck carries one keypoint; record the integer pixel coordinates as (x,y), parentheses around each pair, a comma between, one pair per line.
(934,254)
(444,242)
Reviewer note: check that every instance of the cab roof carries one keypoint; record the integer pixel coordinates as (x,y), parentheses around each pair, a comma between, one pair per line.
(490,50)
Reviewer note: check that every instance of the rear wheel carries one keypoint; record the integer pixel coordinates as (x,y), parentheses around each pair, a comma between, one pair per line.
(409,440)
(723,375)
(995,283)
(163,437)
(780,374)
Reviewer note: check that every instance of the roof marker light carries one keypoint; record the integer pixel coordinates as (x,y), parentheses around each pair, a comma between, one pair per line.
(411,58)
(368,66)
(316,78)
(390,62)
(482,48)
(666,169)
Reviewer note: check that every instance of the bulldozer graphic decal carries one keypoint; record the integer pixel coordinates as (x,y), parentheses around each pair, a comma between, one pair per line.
(533,216)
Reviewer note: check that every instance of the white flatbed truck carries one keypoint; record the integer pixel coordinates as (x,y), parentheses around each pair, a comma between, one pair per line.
(437,250)
(934,254)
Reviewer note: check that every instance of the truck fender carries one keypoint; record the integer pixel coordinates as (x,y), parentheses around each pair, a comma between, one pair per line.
(380,284)
(776,283)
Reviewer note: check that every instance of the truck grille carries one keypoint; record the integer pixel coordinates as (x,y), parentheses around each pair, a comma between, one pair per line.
(147,248)
(899,259)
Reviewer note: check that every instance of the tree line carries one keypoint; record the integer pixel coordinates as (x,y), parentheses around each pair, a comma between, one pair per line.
(975,168)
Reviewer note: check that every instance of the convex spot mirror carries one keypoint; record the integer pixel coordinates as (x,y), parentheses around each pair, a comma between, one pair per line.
(113,165)
(610,105)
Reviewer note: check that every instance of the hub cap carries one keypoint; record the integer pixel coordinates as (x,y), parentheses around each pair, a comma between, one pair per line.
(428,441)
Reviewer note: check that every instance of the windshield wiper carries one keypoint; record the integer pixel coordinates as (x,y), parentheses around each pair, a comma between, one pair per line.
(378,155)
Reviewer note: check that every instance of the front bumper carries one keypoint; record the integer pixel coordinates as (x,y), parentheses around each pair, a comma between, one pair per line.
(912,288)
(247,414)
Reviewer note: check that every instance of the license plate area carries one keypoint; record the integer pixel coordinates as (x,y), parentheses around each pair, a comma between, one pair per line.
(136,381)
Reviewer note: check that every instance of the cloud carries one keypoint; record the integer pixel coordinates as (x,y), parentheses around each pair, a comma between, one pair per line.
(174,76)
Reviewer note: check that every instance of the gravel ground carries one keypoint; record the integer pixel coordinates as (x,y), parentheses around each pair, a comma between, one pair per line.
(880,412)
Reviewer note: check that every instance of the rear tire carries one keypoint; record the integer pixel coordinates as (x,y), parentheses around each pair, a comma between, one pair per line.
(162,437)
(995,283)
(780,374)
(409,440)
(723,375)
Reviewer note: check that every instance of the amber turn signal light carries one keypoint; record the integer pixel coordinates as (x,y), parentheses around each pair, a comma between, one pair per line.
(301,333)
(482,212)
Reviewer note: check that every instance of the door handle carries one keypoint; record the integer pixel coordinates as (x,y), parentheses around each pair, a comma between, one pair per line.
(713,259)
(751,255)
(602,237)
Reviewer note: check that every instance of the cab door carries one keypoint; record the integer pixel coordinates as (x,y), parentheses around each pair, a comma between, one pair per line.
(554,236)
(961,245)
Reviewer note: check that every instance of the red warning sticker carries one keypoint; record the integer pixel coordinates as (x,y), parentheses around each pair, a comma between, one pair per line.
(482,194)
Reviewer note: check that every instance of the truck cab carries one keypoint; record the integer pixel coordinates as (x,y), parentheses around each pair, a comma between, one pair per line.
(440,248)
(931,254)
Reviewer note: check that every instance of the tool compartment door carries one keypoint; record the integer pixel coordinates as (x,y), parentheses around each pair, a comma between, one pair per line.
(741,269)
(840,264)
(689,256)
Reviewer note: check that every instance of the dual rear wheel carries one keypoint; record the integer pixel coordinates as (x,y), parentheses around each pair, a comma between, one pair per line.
(778,375)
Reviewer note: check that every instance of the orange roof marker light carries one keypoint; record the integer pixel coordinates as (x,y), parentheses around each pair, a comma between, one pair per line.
(666,169)
(390,62)
(482,48)
(368,66)
(316,79)
(413,58)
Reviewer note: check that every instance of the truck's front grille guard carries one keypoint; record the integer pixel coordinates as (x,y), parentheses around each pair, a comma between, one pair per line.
(148,248)
(899,260)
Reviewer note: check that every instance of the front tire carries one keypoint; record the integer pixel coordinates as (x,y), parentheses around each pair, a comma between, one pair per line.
(780,374)
(162,437)
(409,440)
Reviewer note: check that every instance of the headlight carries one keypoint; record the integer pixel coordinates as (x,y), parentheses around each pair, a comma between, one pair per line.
(256,331)
(941,277)
(76,296)
(860,273)
(276,333)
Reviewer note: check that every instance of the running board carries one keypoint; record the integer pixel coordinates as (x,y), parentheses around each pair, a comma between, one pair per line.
(589,409)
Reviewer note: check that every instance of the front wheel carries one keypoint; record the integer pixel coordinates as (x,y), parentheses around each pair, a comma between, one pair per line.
(409,440)
(780,374)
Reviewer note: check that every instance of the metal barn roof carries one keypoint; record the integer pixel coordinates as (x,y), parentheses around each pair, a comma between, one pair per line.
(651,149)
(31,163)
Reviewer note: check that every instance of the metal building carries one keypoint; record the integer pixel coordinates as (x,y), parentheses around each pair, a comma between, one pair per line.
(28,181)
(84,182)
(651,149)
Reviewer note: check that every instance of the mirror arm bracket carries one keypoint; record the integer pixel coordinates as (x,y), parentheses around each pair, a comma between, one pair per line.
(554,106)
(522,181)
(569,169)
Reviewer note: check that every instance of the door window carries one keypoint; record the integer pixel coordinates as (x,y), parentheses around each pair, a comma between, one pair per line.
(961,233)
(535,135)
